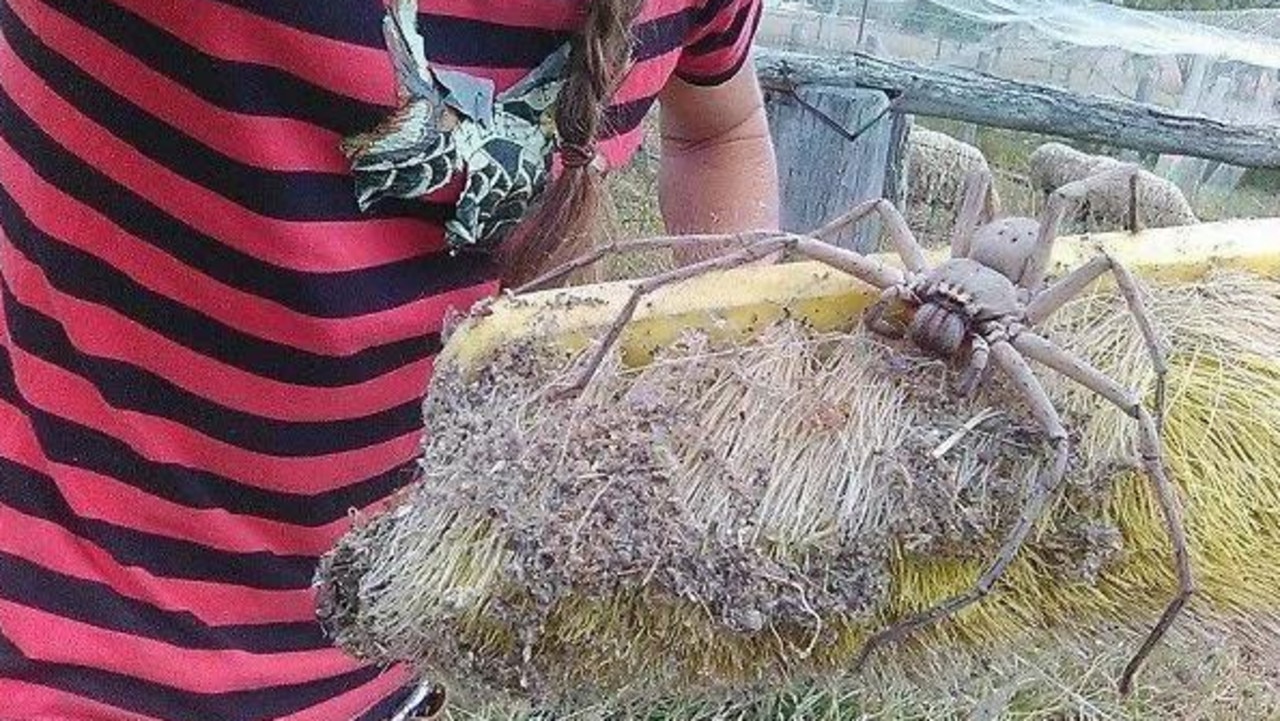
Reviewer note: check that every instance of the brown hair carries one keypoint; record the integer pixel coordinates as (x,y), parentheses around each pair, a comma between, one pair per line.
(561,224)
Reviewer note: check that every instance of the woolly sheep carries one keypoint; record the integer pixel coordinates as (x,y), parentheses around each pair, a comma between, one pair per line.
(1161,203)
(937,165)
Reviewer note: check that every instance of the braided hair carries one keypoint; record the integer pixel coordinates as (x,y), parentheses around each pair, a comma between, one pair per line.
(561,225)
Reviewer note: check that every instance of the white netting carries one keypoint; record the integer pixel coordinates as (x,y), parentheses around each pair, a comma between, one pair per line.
(1084,23)
(1023,39)
(1220,64)
(1264,23)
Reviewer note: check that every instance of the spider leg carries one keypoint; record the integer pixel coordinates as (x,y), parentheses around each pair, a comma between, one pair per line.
(1048,301)
(978,206)
(890,281)
(641,244)
(748,254)
(1056,209)
(979,357)
(906,245)
(1043,351)
(1046,483)
(874,317)
(869,271)
(908,248)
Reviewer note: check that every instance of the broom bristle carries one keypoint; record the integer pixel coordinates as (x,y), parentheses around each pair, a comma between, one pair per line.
(727,517)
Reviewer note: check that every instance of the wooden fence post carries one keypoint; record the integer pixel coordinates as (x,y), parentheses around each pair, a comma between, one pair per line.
(967,96)
(822,170)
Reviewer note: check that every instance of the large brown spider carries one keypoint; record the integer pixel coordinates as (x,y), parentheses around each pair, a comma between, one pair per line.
(980,305)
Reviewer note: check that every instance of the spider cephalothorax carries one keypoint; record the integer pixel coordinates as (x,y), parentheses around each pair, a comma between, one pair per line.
(955,300)
(979,307)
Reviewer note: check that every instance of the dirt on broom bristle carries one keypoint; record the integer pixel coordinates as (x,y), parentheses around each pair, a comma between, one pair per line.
(735,510)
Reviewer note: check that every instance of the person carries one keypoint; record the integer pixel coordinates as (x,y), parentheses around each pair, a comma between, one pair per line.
(210,354)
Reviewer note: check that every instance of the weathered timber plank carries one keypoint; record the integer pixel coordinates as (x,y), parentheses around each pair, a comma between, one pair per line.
(822,170)
(975,97)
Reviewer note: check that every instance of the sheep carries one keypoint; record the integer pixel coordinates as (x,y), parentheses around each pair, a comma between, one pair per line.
(1161,203)
(937,166)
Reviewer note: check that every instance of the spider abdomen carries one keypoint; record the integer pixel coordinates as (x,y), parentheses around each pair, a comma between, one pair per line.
(939,328)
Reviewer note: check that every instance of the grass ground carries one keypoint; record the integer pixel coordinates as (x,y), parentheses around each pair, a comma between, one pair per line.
(1202,677)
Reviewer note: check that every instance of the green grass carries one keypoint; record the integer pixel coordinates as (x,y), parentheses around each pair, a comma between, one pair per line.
(1202,676)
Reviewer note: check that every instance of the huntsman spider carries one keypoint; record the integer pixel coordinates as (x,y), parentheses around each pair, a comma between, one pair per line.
(977,307)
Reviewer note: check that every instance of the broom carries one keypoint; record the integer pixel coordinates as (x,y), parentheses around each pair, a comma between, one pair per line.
(717,513)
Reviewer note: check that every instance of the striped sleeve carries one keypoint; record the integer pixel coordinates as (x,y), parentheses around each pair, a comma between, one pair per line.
(719,41)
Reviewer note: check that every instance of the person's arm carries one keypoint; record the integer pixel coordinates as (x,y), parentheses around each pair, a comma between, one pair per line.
(718,172)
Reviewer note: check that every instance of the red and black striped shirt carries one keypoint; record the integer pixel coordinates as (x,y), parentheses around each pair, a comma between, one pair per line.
(207,354)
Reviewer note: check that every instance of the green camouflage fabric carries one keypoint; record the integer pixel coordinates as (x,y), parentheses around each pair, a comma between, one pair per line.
(449,123)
